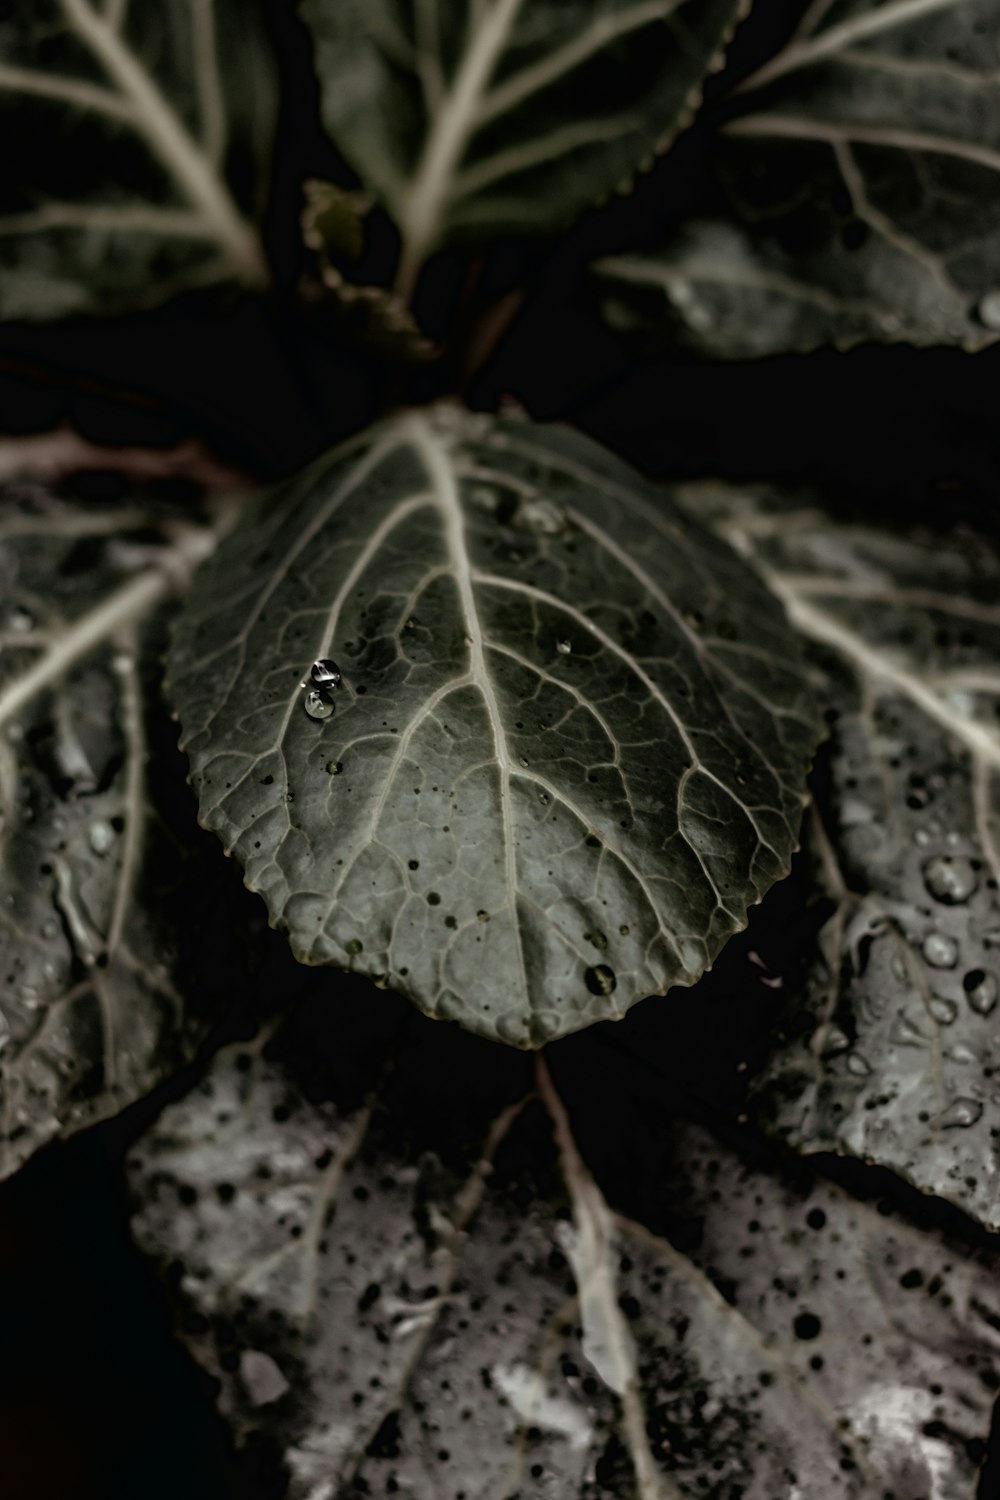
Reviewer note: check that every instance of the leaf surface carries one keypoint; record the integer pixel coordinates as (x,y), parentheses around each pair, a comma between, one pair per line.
(425,1290)
(133,123)
(469,119)
(96,941)
(865,185)
(570,747)
(891,1050)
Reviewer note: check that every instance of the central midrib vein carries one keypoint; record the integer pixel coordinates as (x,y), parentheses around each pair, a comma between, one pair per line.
(435,458)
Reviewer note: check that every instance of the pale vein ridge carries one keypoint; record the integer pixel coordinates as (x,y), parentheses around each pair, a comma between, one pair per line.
(438,464)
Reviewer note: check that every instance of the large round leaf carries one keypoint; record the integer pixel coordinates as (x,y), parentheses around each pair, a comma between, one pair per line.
(570,746)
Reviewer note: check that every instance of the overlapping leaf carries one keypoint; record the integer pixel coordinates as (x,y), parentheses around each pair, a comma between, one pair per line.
(891,1052)
(95,872)
(143,142)
(866,179)
(570,748)
(468,118)
(408,1293)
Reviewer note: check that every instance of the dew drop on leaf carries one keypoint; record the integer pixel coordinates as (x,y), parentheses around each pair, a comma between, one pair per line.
(325,673)
(981,988)
(858,1065)
(940,951)
(334,767)
(100,836)
(600,979)
(564,648)
(353,946)
(949,879)
(943,1011)
(960,1113)
(317,704)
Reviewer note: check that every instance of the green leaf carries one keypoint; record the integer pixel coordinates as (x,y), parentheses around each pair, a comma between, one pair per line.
(96,941)
(891,1050)
(426,1291)
(469,118)
(865,178)
(133,123)
(571,744)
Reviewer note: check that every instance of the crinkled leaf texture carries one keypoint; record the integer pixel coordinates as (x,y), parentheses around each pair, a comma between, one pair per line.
(102,909)
(132,123)
(413,1292)
(891,1050)
(866,177)
(469,118)
(570,748)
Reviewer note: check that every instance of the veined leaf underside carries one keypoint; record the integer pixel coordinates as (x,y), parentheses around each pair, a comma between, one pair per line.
(571,744)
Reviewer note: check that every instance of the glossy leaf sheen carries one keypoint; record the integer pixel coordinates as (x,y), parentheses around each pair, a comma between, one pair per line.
(471,118)
(93,856)
(873,146)
(129,120)
(464,1312)
(891,1050)
(571,743)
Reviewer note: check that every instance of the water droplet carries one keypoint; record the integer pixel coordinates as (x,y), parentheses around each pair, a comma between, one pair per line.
(921,838)
(858,1065)
(325,674)
(334,767)
(950,879)
(597,939)
(317,704)
(600,979)
(906,1033)
(940,951)
(100,836)
(482,916)
(543,798)
(4,1031)
(943,1011)
(989,310)
(981,987)
(353,946)
(21,620)
(564,647)
(541,516)
(623,929)
(960,1112)
(523,760)
(830,1040)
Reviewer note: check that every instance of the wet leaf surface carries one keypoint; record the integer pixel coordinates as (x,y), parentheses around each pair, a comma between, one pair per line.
(864,183)
(569,747)
(470,119)
(890,1051)
(133,124)
(107,941)
(398,1264)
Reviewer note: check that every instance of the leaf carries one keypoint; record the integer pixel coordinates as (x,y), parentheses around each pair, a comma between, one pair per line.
(570,748)
(95,936)
(891,1051)
(410,1294)
(469,118)
(865,177)
(134,125)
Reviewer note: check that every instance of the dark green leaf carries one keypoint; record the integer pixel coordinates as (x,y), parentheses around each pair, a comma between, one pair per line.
(93,845)
(131,123)
(422,1306)
(891,1051)
(468,118)
(571,743)
(866,177)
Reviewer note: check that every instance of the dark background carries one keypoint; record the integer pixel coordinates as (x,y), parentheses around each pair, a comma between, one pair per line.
(97,1402)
